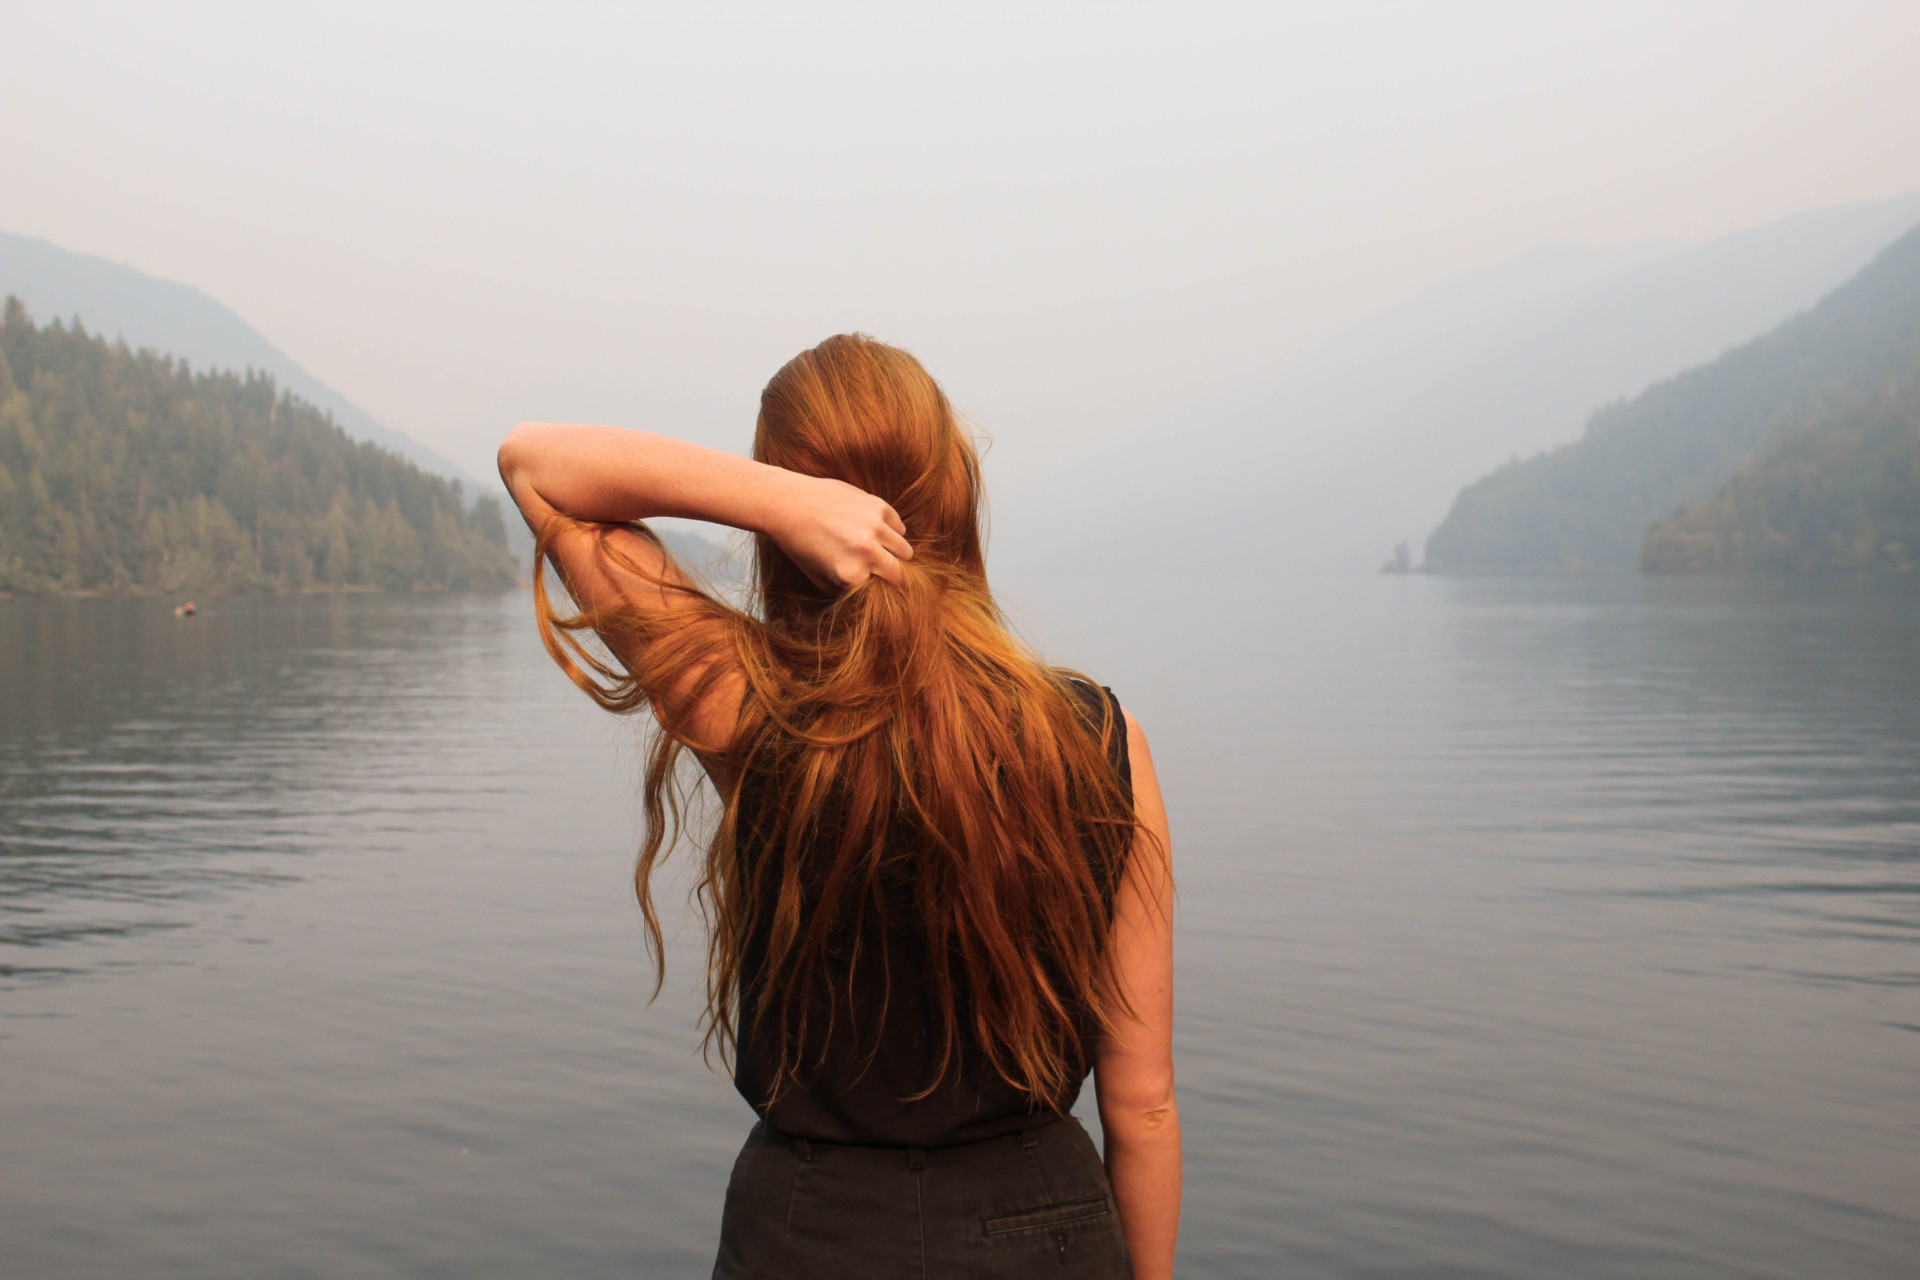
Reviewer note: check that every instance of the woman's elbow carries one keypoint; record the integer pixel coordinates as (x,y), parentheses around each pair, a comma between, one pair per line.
(1144,1129)
(1142,1108)
(515,452)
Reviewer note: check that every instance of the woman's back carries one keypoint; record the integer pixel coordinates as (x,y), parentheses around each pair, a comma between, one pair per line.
(870,1068)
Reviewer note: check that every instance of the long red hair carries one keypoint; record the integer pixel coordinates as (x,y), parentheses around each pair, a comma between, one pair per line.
(886,718)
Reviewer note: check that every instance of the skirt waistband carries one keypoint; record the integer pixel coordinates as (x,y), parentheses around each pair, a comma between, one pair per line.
(806,1149)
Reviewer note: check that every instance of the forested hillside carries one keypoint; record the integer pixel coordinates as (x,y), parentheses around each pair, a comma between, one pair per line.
(119,302)
(1588,504)
(125,471)
(1841,490)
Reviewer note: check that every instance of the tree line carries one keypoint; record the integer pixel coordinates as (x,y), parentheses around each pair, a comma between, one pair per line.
(127,471)
(1841,490)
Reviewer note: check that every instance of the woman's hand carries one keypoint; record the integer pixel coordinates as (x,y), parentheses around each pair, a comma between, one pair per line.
(838,535)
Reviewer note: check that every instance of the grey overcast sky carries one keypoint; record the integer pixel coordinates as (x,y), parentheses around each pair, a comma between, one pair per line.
(1078,214)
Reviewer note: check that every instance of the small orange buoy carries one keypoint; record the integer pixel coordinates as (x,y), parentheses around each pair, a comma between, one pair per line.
(184,611)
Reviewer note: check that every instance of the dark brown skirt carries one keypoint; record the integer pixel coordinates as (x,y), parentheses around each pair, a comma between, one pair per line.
(1029,1204)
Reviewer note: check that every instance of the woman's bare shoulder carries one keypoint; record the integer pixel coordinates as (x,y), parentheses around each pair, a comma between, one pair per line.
(646,606)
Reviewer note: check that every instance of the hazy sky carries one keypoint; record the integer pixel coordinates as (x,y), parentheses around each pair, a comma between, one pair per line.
(1079,215)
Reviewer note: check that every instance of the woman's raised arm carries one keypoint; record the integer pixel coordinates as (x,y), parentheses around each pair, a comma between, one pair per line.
(837,534)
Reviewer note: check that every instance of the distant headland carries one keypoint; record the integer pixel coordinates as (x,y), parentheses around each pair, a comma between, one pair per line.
(1796,452)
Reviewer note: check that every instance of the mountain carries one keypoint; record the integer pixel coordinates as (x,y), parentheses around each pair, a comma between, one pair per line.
(1840,490)
(118,301)
(129,472)
(1587,505)
(1368,440)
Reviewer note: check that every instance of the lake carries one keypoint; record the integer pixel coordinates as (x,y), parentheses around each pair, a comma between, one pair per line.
(1526,928)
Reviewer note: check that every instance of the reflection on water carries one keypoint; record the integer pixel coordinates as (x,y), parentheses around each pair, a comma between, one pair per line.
(1526,928)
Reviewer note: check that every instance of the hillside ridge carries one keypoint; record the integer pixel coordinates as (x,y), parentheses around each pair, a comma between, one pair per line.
(119,301)
(1586,505)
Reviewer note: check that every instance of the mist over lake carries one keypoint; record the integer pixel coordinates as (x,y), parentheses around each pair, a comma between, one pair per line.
(1548,901)
(1527,927)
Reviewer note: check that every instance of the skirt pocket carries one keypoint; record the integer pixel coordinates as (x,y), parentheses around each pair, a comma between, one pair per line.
(1051,1217)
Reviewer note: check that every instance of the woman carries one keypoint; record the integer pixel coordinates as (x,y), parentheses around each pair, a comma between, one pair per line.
(938,884)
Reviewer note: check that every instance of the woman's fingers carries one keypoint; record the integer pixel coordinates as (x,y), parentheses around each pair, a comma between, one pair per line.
(887,560)
(887,556)
(893,533)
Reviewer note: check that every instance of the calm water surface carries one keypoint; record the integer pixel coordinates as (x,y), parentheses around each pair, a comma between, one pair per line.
(1526,928)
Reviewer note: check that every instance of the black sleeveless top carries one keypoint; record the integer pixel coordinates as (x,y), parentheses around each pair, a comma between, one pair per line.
(859,1092)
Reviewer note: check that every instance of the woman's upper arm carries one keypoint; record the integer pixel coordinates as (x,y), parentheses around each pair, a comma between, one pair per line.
(1134,1062)
(615,570)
